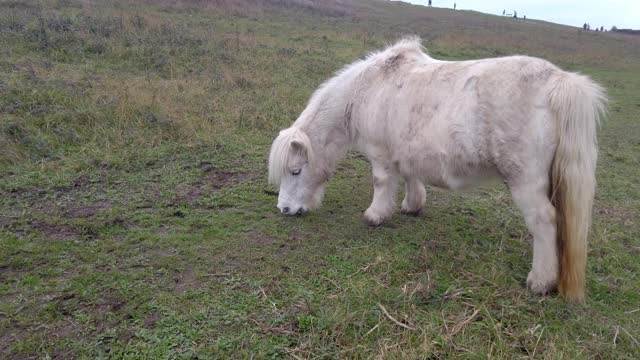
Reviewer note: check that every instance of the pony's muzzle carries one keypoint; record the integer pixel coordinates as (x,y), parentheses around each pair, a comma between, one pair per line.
(286,210)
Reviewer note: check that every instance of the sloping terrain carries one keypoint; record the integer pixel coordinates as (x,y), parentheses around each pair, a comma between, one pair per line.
(136,222)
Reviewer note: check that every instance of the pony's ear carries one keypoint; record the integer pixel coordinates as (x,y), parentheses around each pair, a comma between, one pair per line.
(300,148)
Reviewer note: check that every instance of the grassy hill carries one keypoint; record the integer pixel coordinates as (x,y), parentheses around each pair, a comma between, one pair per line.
(136,222)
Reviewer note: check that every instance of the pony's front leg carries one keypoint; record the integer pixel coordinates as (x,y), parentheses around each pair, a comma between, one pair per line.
(414,197)
(385,183)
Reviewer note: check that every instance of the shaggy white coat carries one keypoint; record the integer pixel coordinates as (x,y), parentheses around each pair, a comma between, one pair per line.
(452,125)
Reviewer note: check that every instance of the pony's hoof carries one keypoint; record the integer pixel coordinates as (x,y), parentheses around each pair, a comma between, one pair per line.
(372,219)
(541,284)
(412,212)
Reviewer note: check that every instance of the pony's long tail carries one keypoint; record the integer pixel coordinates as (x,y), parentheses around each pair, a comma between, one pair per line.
(578,104)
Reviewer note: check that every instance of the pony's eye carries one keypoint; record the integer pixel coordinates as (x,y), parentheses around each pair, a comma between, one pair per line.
(296,172)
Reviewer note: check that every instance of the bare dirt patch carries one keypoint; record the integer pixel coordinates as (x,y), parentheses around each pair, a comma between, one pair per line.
(82,183)
(624,216)
(260,239)
(108,313)
(64,200)
(86,211)
(291,327)
(212,180)
(109,305)
(65,330)
(151,320)
(186,281)
(6,221)
(219,179)
(150,198)
(293,242)
(8,299)
(11,336)
(235,264)
(119,221)
(55,231)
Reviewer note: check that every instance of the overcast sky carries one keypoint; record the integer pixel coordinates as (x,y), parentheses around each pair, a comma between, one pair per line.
(607,13)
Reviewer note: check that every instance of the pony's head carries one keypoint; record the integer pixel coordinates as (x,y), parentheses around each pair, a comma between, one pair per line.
(294,167)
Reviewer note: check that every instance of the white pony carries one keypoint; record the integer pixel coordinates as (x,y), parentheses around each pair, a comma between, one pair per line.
(451,125)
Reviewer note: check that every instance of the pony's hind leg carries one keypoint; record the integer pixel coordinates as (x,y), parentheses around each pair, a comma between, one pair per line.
(385,182)
(414,197)
(540,217)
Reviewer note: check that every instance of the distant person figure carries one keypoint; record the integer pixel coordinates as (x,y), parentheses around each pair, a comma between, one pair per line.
(524,18)
(429,2)
(454,6)
(504,12)
(584,26)
(515,14)
(601,28)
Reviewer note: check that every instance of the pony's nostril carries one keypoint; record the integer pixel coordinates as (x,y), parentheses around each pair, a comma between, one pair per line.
(285,210)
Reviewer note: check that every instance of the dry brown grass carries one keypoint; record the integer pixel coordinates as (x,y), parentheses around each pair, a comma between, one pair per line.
(257,7)
(444,30)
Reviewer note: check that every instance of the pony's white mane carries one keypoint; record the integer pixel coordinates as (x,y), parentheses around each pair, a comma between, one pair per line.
(407,44)
(282,152)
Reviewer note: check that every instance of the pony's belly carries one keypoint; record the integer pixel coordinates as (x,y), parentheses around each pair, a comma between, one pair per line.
(471,179)
(447,175)
(448,181)
(429,167)
(434,177)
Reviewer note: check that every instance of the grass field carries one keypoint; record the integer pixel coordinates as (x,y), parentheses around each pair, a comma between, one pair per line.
(136,221)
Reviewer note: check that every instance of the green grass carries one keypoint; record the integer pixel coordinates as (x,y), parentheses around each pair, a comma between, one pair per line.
(136,222)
